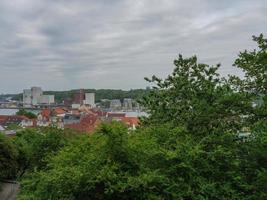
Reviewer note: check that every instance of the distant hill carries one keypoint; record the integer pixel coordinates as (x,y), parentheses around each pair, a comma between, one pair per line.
(5,96)
(99,94)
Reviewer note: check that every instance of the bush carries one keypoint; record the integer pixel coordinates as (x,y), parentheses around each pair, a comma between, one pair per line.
(8,158)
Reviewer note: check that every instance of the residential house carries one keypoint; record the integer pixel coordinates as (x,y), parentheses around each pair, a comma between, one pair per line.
(87,124)
(130,122)
(22,121)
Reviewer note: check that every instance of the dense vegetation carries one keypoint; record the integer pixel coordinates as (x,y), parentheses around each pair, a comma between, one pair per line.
(23,112)
(8,158)
(205,138)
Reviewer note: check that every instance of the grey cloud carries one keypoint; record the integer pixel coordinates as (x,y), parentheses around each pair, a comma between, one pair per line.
(114,44)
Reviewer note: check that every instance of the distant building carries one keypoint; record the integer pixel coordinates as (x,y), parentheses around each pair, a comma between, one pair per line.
(59,112)
(53,116)
(86,123)
(67,101)
(27,123)
(115,104)
(104,103)
(82,98)
(22,121)
(36,93)
(131,122)
(75,106)
(34,97)
(47,99)
(90,99)
(71,119)
(116,115)
(79,97)
(27,97)
(127,104)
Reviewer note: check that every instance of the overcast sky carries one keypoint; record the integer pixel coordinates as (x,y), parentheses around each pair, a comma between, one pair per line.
(66,44)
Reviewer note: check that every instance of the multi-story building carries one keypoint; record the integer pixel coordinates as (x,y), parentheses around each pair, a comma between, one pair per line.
(79,97)
(34,96)
(47,99)
(127,104)
(27,97)
(90,99)
(82,98)
(115,104)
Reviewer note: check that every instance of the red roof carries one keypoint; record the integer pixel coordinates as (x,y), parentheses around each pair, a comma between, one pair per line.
(59,111)
(88,119)
(75,112)
(99,112)
(130,121)
(79,96)
(116,115)
(3,119)
(88,124)
(11,119)
(46,113)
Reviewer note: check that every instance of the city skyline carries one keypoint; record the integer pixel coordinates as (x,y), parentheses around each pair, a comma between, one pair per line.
(62,45)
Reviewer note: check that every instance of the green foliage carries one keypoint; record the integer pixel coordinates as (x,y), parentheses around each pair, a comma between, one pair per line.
(35,145)
(97,167)
(254,65)
(195,97)
(13,126)
(8,158)
(23,112)
(157,162)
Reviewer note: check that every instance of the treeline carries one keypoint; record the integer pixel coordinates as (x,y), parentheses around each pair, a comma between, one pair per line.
(27,151)
(99,94)
(205,138)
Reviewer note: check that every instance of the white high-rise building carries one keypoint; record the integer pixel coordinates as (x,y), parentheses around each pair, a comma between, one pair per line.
(90,99)
(27,97)
(36,95)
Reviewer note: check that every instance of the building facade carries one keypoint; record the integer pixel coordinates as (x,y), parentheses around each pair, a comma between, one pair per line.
(34,97)
(115,104)
(47,99)
(37,93)
(27,97)
(90,99)
(127,104)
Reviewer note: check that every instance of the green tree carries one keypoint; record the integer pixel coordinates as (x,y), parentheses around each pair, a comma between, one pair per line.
(8,158)
(254,65)
(196,97)
(35,145)
(100,166)
(23,112)
(156,162)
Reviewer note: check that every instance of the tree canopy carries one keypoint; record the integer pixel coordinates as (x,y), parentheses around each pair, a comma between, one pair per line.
(196,97)
(8,158)
(23,112)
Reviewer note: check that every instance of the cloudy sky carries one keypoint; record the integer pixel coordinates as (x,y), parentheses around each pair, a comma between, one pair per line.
(66,44)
